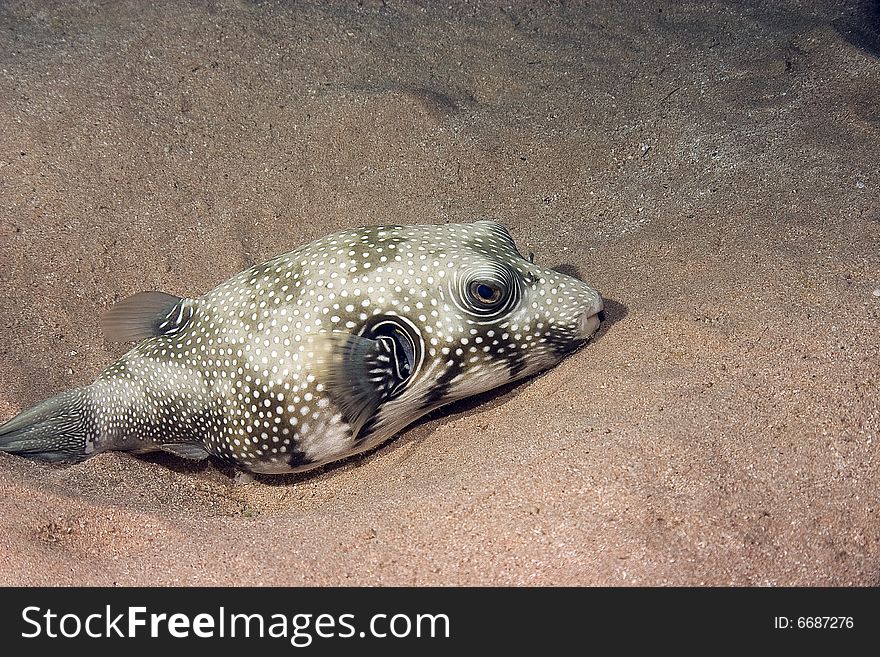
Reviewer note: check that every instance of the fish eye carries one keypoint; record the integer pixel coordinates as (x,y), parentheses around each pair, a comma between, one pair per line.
(485,293)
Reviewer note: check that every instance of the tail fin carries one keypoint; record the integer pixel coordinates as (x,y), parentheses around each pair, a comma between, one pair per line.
(58,429)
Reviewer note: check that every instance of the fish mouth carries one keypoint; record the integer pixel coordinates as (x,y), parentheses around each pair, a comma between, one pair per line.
(590,319)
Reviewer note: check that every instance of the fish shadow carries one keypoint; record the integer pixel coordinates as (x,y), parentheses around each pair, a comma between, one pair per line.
(568,269)
(181,465)
(614,312)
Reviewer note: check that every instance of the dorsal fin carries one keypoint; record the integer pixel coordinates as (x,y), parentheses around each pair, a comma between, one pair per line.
(359,373)
(141,316)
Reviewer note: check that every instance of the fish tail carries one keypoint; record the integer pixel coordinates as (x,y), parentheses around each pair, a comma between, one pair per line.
(61,428)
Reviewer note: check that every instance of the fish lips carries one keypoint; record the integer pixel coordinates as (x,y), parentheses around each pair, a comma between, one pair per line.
(589,321)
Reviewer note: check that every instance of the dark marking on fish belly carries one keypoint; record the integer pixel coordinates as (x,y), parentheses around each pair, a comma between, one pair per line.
(516,363)
(297,459)
(562,346)
(443,385)
(226,458)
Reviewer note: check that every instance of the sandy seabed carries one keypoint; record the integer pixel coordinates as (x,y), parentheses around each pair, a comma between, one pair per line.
(710,167)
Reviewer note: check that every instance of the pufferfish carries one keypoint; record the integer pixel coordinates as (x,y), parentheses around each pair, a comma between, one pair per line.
(320,353)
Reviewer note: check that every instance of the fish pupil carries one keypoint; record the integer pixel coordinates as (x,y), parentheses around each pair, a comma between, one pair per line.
(485,293)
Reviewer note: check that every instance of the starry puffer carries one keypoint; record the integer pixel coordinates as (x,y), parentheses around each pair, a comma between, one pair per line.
(320,353)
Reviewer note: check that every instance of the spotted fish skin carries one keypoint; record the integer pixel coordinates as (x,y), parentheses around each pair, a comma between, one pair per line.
(319,353)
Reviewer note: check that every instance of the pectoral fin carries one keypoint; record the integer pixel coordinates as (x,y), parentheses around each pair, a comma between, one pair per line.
(359,373)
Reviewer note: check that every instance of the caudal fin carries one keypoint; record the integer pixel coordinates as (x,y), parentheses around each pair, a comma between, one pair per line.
(58,429)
